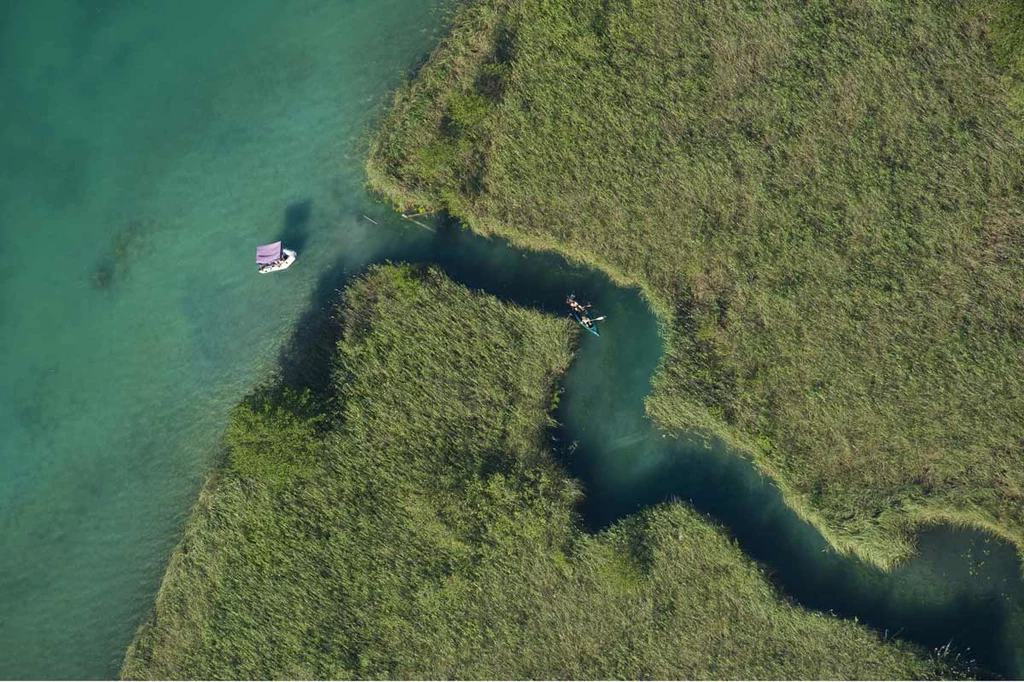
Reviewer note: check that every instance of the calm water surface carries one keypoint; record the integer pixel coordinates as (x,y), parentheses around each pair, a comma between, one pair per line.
(146,148)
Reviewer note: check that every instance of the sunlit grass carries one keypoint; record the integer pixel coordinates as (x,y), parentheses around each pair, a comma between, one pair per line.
(432,535)
(823,200)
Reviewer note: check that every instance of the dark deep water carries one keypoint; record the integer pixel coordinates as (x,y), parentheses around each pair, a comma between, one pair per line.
(147,147)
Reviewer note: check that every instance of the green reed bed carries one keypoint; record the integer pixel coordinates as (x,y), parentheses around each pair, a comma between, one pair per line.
(417,526)
(822,200)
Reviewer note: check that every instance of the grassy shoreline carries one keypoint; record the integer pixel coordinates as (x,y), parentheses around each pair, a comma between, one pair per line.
(419,527)
(818,201)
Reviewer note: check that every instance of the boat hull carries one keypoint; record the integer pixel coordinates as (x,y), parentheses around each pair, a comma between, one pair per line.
(283,264)
(592,328)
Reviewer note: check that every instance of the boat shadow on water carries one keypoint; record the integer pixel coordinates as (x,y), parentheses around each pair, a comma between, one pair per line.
(961,596)
(297,219)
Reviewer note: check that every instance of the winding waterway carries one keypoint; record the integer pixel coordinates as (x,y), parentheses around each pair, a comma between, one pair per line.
(146,148)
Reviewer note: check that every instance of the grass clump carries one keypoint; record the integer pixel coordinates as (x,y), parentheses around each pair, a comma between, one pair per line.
(436,537)
(822,200)
(273,435)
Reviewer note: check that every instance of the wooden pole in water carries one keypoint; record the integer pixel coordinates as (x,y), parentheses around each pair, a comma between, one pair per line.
(412,219)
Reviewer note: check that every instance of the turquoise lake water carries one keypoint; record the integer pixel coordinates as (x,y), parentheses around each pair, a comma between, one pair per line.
(147,147)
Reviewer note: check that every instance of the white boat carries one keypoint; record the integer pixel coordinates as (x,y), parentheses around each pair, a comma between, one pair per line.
(273,257)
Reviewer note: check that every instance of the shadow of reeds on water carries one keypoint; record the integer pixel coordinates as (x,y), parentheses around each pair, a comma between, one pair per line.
(962,595)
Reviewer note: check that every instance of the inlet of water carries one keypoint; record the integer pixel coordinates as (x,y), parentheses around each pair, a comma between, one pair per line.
(147,147)
(963,589)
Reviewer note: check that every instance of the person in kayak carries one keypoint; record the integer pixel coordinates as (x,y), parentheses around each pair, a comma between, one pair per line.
(586,321)
(576,306)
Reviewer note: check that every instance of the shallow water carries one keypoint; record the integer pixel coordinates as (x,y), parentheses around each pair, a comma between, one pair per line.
(147,147)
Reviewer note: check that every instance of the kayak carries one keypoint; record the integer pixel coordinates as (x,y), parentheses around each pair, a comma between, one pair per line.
(283,264)
(592,328)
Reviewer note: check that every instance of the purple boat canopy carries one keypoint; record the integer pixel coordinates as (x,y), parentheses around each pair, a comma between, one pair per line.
(268,253)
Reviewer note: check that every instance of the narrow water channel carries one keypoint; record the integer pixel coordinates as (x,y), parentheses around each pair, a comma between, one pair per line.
(963,590)
(147,146)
